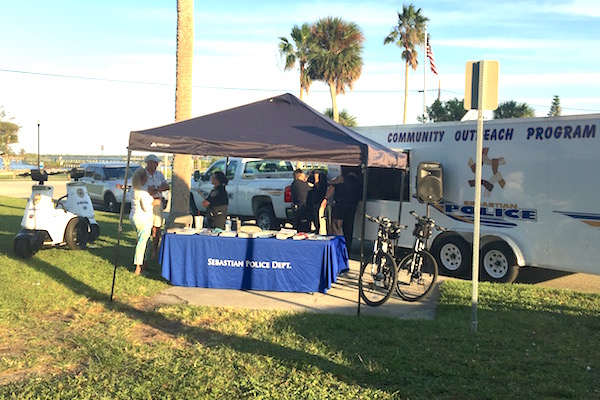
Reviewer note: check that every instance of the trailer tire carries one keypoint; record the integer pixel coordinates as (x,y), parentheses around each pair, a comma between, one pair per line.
(266,219)
(452,254)
(498,263)
(76,233)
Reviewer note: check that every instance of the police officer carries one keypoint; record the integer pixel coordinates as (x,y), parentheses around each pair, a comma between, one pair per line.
(343,194)
(300,188)
(217,201)
(316,195)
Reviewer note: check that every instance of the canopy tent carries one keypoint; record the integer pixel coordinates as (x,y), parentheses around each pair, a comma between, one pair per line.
(281,127)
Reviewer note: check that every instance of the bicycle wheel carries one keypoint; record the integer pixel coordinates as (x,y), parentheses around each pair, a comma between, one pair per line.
(417,273)
(377,279)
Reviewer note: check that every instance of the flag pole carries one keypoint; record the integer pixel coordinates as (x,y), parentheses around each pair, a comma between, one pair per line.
(425,76)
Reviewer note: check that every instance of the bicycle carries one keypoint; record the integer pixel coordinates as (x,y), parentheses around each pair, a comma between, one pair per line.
(412,277)
(418,271)
(378,274)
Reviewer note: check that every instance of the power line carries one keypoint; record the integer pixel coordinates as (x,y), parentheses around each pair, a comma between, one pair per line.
(173,85)
(534,105)
(89,78)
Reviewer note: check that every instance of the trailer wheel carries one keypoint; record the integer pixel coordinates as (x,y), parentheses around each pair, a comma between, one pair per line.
(76,234)
(452,254)
(265,219)
(23,247)
(498,263)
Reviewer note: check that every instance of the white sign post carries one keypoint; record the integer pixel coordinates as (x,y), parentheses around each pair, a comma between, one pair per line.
(481,93)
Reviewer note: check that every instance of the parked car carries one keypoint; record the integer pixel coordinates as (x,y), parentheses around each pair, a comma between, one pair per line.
(105,183)
(257,189)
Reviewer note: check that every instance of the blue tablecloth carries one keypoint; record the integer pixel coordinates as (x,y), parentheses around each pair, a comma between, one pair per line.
(259,264)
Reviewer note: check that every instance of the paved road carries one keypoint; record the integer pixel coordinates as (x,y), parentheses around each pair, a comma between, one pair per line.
(21,188)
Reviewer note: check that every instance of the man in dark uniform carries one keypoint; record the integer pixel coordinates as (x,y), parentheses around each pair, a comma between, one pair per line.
(300,189)
(316,195)
(217,201)
(343,194)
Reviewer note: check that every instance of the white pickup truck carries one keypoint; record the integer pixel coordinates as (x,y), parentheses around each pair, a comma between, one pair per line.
(257,189)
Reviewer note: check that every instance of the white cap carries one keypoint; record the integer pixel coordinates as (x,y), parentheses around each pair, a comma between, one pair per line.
(152,157)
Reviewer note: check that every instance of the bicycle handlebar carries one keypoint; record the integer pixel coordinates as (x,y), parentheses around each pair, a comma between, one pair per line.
(385,222)
(428,220)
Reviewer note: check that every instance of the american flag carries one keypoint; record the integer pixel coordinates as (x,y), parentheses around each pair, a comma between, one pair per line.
(431,58)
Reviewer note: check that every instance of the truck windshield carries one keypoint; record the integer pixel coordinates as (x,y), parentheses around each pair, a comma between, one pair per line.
(119,172)
(266,166)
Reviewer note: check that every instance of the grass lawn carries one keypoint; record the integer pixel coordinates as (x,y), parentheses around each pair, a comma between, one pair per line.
(60,337)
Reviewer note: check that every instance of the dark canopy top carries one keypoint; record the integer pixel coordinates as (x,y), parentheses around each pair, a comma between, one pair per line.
(281,127)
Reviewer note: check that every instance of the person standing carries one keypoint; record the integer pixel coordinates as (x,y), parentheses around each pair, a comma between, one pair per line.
(141,217)
(300,188)
(217,201)
(155,185)
(343,194)
(316,196)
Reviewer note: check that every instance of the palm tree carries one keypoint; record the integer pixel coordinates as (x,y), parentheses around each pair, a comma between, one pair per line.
(345,117)
(337,56)
(408,34)
(512,109)
(182,163)
(302,40)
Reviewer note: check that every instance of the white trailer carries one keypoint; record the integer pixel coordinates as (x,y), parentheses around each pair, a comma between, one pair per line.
(540,192)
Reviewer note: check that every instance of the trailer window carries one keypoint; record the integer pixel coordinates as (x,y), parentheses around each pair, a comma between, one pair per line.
(384,184)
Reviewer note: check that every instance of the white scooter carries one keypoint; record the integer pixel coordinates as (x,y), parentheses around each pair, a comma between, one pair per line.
(78,202)
(47,224)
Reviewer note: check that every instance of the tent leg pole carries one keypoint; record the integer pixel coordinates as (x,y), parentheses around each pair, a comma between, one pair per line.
(402,183)
(120,228)
(362,231)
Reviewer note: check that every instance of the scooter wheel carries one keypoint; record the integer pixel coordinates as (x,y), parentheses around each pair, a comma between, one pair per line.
(76,234)
(23,248)
(93,233)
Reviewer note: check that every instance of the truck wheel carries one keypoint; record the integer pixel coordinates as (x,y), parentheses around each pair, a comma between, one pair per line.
(266,220)
(452,254)
(23,248)
(498,263)
(76,234)
(110,202)
(193,208)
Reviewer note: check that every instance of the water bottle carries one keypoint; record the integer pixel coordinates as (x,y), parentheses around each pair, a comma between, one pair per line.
(228,224)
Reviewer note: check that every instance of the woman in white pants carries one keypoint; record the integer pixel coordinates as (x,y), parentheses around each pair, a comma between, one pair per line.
(141,217)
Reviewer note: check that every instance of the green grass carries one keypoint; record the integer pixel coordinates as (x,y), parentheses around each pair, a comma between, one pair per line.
(61,338)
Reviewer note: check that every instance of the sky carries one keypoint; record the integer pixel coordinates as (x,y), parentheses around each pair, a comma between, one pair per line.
(92,71)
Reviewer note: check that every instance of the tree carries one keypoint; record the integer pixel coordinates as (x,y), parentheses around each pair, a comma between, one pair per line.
(182,163)
(555,108)
(512,109)
(451,110)
(9,133)
(408,34)
(344,116)
(337,56)
(302,38)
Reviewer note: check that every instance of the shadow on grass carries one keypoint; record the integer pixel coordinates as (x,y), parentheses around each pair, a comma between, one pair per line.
(292,358)
(384,353)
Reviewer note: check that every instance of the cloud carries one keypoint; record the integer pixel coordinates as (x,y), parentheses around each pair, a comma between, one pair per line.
(582,8)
